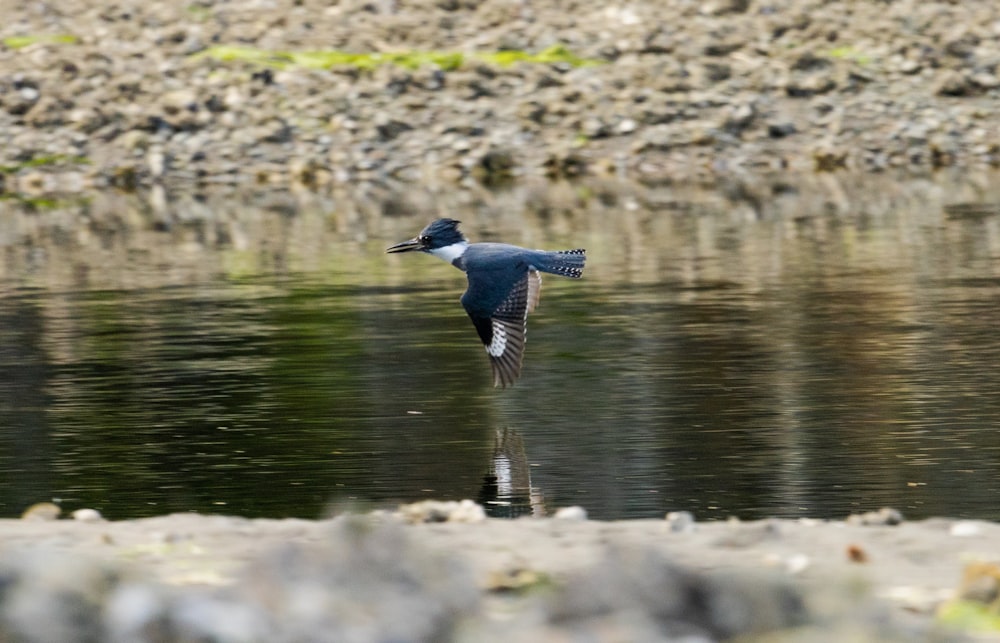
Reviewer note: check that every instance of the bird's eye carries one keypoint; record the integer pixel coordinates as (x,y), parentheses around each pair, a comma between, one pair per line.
(423,238)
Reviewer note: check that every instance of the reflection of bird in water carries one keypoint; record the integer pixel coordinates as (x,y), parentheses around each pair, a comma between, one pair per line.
(507,490)
(504,285)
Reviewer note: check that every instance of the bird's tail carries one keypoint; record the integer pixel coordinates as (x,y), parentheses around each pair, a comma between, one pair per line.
(568,263)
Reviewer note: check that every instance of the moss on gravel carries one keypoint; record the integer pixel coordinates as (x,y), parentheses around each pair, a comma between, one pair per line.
(20,42)
(446,60)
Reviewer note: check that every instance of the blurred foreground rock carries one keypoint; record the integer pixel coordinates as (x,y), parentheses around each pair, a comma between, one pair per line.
(365,583)
(366,580)
(378,577)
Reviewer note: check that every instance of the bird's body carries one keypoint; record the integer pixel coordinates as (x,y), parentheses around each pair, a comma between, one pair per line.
(504,286)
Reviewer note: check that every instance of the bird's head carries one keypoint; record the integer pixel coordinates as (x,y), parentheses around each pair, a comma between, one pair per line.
(438,234)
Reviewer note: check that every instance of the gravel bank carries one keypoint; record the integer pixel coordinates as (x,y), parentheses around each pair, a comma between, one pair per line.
(395,577)
(95,94)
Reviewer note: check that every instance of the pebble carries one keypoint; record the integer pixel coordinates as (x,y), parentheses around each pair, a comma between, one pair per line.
(42,511)
(681,521)
(464,511)
(570,513)
(87,515)
(883,517)
(645,590)
(964,529)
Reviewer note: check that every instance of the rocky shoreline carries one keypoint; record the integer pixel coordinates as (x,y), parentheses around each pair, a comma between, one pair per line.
(132,94)
(442,571)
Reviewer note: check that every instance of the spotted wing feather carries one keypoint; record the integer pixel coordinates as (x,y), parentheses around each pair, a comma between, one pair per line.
(503,331)
(534,289)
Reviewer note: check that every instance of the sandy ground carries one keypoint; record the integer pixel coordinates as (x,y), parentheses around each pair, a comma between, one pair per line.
(856,581)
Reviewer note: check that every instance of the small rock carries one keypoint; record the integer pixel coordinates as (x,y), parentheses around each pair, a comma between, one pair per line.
(549,80)
(722,7)
(495,166)
(781,129)
(594,128)
(645,589)
(156,160)
(54,596)
(21,101)
(133,610)
(797,563)
(953,83)
(49,112)
(749,535)
(723,47)
(35,183)
(794,564)
(717,72)
(179,101)
(565,165)
(533,111)
(465,511)
(811,85)
(856,553)
(626,126)
(390,129)
(658,41)
(88,120)
(885,516)
(87,515)
(740,118)
(828,159)
(964,529)
(276,130)
(42,511)
(516,579)
(681,521)
(571,513)
(985,80)
(981,583)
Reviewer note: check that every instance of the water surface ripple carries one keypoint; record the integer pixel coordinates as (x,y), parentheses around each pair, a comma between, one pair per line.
(779,349)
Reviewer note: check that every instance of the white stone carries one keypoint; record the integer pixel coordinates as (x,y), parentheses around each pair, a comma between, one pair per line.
(571,513)
(964,528)
(87,515)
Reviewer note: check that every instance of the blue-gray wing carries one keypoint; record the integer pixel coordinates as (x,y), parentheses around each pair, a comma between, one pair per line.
(498,305)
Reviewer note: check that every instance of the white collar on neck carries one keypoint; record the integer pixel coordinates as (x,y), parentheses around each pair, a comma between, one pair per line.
(452,252)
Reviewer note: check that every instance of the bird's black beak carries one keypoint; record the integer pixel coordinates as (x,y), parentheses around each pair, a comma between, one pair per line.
(406,246)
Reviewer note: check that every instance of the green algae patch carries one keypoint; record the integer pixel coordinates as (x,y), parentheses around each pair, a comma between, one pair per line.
(445,60)
(970,616)
(44,161)
(230,53)
(448,61)
(43,203)
(198,13)
(20,42)
(550,55)
(849,53)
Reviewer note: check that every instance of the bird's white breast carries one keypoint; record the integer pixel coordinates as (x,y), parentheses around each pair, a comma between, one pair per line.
(452,252)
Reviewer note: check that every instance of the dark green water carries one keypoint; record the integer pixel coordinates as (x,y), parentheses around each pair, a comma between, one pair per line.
(801,350)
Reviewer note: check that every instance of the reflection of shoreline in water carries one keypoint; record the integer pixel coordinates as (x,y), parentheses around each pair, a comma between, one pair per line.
(826,339)
(507,490)
(109,240)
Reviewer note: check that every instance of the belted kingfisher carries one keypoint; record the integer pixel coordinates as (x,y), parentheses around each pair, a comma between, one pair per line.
(504,286)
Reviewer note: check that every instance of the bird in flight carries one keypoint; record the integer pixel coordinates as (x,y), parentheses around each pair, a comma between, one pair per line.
(504,285)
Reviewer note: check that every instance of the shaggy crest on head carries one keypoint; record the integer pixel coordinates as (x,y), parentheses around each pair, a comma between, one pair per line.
(505,283)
